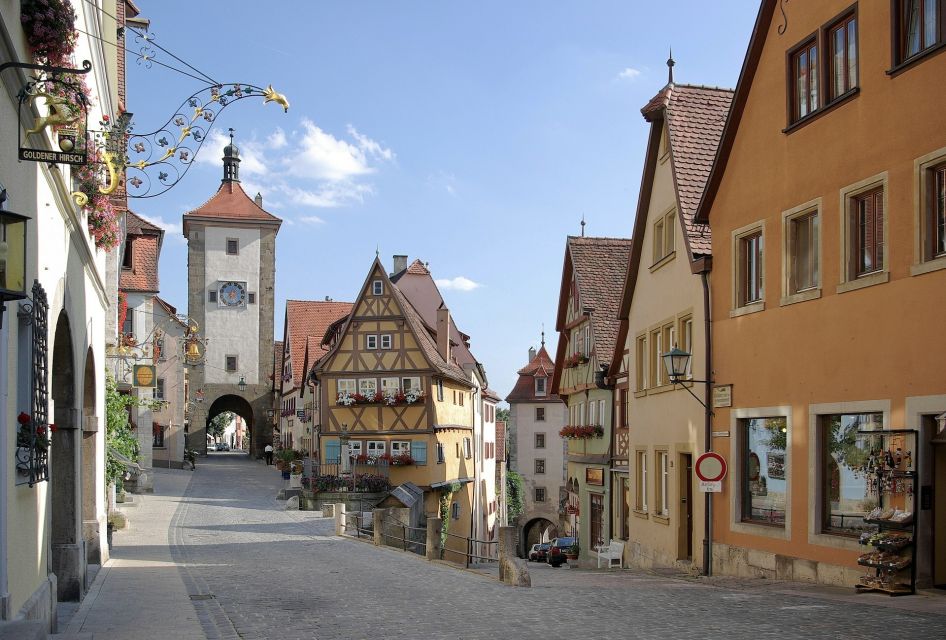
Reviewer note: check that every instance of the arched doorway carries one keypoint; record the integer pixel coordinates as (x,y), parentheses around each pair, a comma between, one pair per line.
(234,404)
(537,530)
(92,490)
(68,558)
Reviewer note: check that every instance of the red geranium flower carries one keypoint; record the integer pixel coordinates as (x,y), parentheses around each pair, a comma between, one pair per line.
(23,418)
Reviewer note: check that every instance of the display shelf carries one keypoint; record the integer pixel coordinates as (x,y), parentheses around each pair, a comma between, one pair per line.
(891,473)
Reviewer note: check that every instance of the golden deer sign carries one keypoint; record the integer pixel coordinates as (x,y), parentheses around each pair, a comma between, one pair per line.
(61,112)
(270,95)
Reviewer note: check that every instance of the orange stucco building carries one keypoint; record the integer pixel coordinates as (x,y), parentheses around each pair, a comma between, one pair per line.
(827,203)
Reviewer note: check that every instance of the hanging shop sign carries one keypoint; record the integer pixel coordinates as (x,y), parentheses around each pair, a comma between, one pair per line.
(56,103)
(594,476)
(145,375)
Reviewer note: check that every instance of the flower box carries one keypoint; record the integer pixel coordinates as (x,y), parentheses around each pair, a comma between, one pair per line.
(582,431)
(574,360)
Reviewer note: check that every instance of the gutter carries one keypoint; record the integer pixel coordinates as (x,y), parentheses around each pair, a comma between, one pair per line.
(708,415)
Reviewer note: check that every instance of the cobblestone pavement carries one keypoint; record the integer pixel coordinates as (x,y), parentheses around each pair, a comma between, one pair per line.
(255,570)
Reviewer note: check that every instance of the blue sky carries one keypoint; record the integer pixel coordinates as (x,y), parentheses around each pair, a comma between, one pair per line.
(473,136)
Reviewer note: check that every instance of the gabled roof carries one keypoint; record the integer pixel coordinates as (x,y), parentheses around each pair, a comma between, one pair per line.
(146,240)
(422,333)
(168,309)
(599,266)
(232,204)
(746,75)
(695,117)
(307,319)
(540,366)
(136,225)
(418,286)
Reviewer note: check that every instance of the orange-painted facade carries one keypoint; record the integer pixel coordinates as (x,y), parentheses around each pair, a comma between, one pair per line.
(850,344)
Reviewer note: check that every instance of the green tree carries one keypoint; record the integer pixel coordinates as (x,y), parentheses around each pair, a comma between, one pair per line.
(218,424)
(514,494)
(119,437)
(502,415)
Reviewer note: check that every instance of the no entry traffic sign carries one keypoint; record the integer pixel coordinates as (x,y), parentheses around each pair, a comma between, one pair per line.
(711,469)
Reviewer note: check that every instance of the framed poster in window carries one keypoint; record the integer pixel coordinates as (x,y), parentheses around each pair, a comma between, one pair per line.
(594,476)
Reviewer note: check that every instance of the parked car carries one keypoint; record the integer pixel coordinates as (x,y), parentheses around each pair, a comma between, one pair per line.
(212,446)
(557,549)
(223,446)
(538,552)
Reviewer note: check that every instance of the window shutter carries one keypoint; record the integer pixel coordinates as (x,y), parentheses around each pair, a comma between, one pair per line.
(333,451)
(879,229)
(419,452)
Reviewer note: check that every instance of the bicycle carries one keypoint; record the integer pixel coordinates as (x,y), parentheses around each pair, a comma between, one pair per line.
(190,457)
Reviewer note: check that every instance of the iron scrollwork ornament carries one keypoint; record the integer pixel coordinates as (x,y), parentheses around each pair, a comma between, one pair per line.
(55,99)
(34,433)
(784,26)
(156,161)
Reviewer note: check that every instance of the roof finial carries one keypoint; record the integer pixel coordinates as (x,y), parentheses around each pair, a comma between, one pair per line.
(543,335)
(670,64)
(231,134)
(377,251)
(582,225)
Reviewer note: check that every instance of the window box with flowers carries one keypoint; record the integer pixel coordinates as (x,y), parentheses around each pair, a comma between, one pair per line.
(575,360)
(582,431)
(391,399)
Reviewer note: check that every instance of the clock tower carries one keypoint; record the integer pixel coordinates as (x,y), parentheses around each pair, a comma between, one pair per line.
(231,272)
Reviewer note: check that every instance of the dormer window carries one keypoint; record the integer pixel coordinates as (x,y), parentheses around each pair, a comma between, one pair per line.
(127,255)
(377,287)
(540,386)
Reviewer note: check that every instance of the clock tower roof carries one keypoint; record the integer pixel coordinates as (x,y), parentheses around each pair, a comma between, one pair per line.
(231,204)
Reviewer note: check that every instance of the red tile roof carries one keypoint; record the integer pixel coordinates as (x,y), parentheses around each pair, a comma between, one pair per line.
(418,268)
(276,374)
(308,319)
(231,203)
(696,116)
(540,366)
(600,265)
(145,245)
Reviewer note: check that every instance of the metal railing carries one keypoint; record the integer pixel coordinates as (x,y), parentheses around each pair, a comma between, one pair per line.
(359,526)
(416,546)
(468,555)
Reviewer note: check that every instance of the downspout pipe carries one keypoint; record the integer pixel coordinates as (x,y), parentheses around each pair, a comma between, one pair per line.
(707,419)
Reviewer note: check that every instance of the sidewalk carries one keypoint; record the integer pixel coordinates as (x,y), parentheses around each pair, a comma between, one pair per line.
(139,593)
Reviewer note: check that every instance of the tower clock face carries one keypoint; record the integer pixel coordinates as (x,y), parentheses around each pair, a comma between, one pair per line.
(232,294)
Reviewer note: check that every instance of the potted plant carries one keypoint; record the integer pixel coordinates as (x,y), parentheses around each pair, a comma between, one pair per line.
(572,552)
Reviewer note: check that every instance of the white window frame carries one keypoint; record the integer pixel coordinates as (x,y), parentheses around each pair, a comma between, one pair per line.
(346,384)
(411,382)
(467,448)
(386,341)
(592,412)
(544,386)
(400,447)
(371,341)
(738,308)
(663,468)
(536,440)
(390,385)
(367,386)
(377,287)
(376,448)
(640,459)
(355,448)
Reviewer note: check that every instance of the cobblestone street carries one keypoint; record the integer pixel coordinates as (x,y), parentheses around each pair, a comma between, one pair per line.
(249,569)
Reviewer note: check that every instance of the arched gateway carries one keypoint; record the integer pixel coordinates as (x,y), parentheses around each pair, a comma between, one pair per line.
(231,274)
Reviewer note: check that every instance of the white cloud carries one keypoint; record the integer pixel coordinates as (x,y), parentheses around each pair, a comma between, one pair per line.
(323,171)
(171,229)
(277,139)
(459,283)
(630,73)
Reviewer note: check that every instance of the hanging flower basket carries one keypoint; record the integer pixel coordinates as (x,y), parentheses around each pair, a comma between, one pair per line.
(50,31)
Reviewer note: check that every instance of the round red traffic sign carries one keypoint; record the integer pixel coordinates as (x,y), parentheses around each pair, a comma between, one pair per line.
(710,467)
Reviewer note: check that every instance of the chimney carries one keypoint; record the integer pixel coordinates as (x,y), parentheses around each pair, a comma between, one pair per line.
(443,333)
(400,264)
(531,354)
(259,199)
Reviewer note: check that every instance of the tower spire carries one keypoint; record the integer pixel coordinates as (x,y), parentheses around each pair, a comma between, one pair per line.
(231,161)
(670,64)
(582,225)
(543,335)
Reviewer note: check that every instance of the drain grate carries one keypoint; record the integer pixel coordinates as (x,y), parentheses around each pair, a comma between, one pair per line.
(202,596)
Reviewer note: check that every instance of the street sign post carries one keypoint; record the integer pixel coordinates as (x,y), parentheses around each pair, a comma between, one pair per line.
(710,469)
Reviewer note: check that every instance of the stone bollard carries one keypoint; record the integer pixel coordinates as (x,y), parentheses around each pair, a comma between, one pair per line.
(512,570)
(433,538)
(377,523)
(340,519)
(328,510)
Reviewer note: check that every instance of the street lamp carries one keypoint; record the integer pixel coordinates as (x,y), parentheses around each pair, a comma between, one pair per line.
(242,384)
(676,363)
(12,256)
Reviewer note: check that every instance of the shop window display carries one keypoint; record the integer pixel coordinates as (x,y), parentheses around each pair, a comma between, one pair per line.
(763,482)
(845,497)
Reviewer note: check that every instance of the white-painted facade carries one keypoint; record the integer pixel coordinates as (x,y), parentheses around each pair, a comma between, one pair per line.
(235,329)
